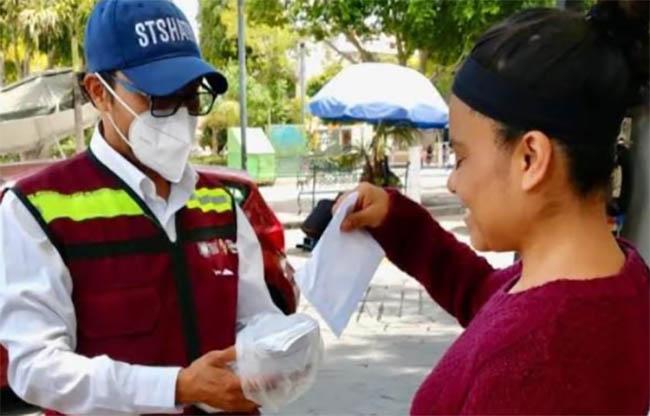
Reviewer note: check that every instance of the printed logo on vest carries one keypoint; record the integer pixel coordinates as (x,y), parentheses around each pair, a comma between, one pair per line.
(212,250)
(225,272)
(217,246)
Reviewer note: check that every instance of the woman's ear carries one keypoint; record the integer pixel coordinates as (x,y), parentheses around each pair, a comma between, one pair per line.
(534,154)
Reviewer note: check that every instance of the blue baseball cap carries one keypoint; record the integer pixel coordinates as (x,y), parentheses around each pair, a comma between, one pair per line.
(151,42)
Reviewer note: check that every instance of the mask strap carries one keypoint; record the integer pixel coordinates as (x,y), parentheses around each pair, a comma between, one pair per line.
(117,129)
(110,117)
(117,97)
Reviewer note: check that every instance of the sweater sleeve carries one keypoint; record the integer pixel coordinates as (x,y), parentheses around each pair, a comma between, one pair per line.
(456,277)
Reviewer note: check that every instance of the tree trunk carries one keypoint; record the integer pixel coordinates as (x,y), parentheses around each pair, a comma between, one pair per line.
(340,52)
(44,152)
(401,55)
(50,59)
(32,154)
(424,57)
(25,67)
(366,56)
(402,59)
(214,141)
(26,64)
(376,170)
(2,69)
(16,59)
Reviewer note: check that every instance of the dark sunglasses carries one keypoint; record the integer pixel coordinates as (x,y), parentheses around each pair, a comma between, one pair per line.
(198,100)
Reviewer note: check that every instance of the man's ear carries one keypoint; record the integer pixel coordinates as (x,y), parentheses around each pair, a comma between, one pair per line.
(97,93)
(534,154)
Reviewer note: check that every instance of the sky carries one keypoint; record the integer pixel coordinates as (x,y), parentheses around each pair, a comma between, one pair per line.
(191,10)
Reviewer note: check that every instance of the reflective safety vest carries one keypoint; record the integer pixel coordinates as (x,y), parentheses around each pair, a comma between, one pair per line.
(139,297)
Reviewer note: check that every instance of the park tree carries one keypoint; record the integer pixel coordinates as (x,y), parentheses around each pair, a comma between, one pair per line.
(271,46)
(43,30)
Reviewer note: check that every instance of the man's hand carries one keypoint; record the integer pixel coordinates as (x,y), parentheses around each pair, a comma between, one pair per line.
(208,380)
(370,210)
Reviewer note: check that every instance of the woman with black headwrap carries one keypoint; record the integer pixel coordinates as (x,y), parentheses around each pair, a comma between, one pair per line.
(534,118)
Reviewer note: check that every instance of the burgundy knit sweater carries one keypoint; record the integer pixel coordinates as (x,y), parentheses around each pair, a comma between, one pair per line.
(566,347)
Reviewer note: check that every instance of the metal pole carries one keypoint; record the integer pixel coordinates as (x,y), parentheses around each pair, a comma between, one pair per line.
(2,69)
(302,83)
(80,143)
(241,46)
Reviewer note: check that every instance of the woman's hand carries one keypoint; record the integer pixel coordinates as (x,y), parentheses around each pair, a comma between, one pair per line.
(370,210)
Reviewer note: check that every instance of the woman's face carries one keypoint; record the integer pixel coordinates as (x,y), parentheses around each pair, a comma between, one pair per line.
(484,180)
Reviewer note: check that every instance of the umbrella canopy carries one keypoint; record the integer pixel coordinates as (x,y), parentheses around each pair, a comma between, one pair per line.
(39,110)
(37,95)
(381,92)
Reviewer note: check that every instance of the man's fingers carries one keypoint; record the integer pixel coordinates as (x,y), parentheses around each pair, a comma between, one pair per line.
(235,383)
(230,354)
(221,357)
(245,405)
(239,400)
(239,404)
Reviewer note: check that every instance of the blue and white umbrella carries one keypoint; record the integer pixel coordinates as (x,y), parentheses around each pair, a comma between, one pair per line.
(381,93)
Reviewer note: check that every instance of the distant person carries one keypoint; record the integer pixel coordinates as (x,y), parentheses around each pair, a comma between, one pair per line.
(429,156)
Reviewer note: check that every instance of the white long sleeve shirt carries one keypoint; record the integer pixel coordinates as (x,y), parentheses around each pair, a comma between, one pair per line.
(37,317)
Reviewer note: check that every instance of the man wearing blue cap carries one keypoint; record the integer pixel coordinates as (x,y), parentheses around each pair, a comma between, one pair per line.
(124,272)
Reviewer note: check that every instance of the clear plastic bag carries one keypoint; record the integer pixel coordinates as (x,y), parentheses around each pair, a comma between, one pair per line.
(278,357)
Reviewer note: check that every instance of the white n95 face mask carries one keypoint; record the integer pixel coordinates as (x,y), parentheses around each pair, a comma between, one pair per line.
(162,144)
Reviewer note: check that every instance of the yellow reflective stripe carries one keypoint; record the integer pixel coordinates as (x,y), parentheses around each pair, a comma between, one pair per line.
(210,199)
(80,206)
(211,192)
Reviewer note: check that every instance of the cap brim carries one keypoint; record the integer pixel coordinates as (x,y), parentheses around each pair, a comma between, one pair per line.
(166,76)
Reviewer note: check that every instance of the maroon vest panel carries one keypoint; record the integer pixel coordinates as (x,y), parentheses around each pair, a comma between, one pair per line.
(140,298)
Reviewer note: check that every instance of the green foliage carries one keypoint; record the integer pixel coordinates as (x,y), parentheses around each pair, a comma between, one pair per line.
(349,160)
(442,30)
(67,146)
(271,78)
(40,34)
(216,45)
(374,169)
(446,30)
(258,99)
(212,159)
(293,110)
(215,125)
(224,115)
(357,20)
(432,35)
(9,158)
(314,84)
(443,78)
